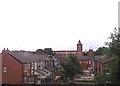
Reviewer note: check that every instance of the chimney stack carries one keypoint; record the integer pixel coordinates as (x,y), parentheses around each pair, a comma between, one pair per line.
(90,52)
(5,50)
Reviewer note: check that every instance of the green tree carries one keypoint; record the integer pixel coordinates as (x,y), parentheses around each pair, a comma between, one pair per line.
(102,51)
(71,67)
(48,51)
(114,45)
(114,48)
(101,79)
(114,72)
(114,52)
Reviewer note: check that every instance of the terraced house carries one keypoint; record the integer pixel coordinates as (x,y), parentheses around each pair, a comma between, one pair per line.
(25,67)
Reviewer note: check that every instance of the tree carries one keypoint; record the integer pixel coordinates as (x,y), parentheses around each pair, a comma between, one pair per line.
(114,48)
(114,72)
(101,79)
(114,45)
(102,51)
(85,53)
(40,51)
(48,51)
(114,52)
(71,67)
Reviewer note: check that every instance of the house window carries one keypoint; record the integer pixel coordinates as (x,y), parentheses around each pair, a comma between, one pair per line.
(32,72)
(89,62)
(86,62)
(41,67)
(38,66)
(25,79)
(32,66)
(80,62)
(49,63)
(55,63)
(35,65)
(4,68)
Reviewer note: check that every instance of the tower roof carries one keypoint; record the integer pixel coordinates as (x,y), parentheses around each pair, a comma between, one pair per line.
(79,42)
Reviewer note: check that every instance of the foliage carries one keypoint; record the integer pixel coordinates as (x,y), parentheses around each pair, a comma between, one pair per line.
(114,45)
(49,51)
(102,51)
(114,77)
(71,67)
(108,74)
(114,48)
(101,79)
(85,53)
(114,52)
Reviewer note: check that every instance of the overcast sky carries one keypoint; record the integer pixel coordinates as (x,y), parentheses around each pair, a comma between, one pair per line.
(58,24)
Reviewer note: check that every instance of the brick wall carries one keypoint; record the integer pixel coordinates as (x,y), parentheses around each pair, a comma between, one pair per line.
(12,69)
(0,68)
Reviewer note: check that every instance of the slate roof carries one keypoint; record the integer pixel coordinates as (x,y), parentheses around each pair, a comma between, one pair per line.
(49,68)
(65,51)
(61,58)
(103,59)
(64,58)
(25,56)
(85,57)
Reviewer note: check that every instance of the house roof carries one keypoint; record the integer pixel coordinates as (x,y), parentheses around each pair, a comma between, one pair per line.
(49,68)
(79,42)
(61,58)
(64,58)
(25,56)
(65,51)
(103,59)
(85,57)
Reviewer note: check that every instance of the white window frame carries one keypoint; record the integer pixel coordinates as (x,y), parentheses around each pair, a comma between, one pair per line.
(86,62)
(80,62)
(4,68)
(89,62)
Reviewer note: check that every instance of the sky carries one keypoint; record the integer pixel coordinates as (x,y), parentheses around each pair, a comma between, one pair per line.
(57,24)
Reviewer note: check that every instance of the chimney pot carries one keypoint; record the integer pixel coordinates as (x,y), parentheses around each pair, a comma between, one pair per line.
(90,52)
